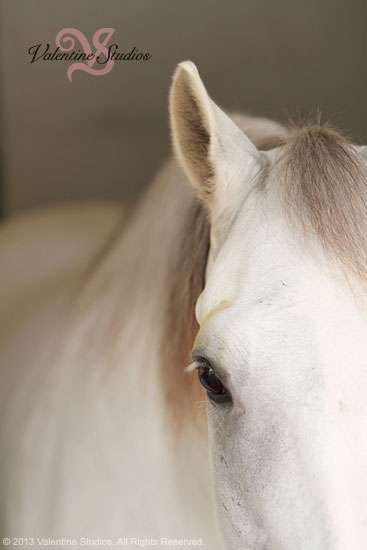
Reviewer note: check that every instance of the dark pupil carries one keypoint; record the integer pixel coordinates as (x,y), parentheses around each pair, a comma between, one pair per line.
(210,380)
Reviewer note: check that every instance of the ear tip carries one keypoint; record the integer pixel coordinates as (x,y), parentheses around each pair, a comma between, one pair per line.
(186,74)
(187,66)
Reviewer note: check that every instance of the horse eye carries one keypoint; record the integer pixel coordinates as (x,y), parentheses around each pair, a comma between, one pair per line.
(210,381)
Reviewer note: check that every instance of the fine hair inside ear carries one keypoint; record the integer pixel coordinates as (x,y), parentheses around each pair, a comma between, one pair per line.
(192,128)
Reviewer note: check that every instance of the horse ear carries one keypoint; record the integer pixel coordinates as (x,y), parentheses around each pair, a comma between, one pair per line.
(216,155)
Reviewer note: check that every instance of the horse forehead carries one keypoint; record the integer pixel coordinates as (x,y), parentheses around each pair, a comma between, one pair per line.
(256,264)
(263,268)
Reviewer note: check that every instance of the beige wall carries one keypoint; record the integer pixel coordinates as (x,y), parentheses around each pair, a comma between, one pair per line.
(103,137)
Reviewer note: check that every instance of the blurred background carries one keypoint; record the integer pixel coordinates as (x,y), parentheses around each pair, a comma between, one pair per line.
(104,137)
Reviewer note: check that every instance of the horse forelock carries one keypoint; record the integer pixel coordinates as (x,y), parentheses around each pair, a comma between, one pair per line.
(324,191)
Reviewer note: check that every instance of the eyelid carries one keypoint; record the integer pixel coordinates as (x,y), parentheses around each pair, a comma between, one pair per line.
(197,355)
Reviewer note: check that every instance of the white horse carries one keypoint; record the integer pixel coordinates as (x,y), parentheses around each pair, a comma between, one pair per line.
(102,430)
